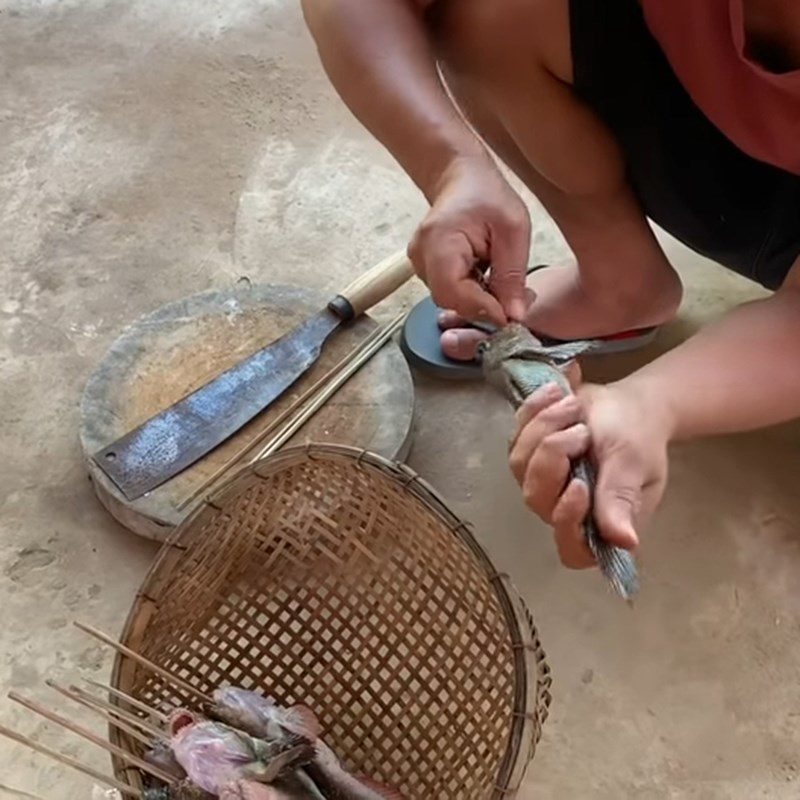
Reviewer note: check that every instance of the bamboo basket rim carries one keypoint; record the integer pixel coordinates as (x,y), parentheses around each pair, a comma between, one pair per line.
(533,678)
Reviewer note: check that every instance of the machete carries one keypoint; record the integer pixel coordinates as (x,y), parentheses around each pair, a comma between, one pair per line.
(177,437)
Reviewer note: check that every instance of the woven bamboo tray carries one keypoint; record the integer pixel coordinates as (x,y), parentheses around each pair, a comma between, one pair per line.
(330,576)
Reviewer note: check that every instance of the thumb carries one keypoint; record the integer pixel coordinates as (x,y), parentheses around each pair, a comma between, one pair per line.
(509,268)
(618,499)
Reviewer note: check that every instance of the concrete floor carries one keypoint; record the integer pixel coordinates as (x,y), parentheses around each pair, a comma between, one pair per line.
(152,149)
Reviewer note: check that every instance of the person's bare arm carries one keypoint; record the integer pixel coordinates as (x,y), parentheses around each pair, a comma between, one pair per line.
(738,374)
(380,59)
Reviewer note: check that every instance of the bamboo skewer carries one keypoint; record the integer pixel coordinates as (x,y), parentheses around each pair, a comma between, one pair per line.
(92,737)
(141,660)
(125,788)
(142,738)
(261,435)
(330,389)
(86,698)
(137,704)
(109,715)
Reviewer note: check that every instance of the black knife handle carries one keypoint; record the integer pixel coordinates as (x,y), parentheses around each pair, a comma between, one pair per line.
(342,307)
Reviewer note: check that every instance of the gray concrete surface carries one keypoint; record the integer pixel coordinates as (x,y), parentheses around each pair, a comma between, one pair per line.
(152,149)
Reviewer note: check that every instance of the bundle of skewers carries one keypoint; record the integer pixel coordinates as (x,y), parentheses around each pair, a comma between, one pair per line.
(234,744)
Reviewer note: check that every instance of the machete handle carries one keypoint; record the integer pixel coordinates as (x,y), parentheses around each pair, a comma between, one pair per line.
(373,286)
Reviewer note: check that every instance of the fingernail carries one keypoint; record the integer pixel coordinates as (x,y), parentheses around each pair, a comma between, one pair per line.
(551,389)
(544,392)
(626,536)
(633,539)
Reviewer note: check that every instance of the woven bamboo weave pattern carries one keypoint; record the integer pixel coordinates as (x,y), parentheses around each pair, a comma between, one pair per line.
(333,578)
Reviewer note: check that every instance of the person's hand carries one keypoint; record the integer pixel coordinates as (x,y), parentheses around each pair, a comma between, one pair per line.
(475,217)
(627,440)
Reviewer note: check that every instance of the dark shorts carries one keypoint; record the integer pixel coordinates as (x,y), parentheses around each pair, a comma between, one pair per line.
(692,181)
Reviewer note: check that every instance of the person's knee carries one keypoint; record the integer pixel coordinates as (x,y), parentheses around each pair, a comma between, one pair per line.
(507,63)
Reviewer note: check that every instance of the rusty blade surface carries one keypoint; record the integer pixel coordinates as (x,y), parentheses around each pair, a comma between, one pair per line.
(177,437)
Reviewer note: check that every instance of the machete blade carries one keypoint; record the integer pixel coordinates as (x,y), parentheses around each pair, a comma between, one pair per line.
(174,439)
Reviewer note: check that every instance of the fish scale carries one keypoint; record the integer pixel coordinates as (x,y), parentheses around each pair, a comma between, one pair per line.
(516,363)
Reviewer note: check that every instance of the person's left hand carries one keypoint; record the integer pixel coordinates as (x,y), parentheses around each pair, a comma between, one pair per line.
(626,439)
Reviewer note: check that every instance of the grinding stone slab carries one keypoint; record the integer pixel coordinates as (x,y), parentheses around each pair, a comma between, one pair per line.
(170,352)
(419,341)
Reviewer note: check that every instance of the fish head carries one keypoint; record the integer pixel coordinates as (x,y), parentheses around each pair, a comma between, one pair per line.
(239,708)
(512,341)
(508,357)
(237,697)
(504,357)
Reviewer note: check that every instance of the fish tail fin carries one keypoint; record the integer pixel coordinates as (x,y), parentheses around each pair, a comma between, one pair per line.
(280,765)
(301,719)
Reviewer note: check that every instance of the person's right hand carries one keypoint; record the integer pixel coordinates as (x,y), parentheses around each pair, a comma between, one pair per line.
(475,217)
